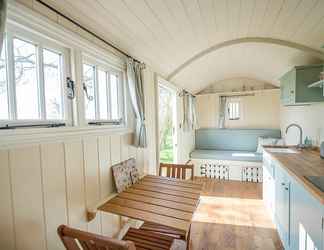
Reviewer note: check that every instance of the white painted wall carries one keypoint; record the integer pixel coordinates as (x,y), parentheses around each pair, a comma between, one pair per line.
(259,111)
(310,118)
(47,184)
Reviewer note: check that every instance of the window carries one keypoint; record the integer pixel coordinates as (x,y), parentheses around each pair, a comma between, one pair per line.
(233,109)
(31,81)
(103,94)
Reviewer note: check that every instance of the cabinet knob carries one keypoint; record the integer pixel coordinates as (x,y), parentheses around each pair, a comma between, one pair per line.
(282,183)
(287,188)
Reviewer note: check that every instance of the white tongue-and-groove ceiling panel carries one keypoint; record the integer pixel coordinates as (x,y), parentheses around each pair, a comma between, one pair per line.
(167,33)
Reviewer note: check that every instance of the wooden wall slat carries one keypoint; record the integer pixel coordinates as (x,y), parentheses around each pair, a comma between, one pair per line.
(44,185)
(75,184)
(115,147)
(7,238)
(91,170)
(124,147)
(28,198)
(54,190)
(106,180)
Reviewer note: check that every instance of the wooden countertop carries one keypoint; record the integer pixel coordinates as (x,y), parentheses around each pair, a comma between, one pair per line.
(306,162)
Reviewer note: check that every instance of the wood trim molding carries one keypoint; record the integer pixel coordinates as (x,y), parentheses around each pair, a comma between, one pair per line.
(266,40)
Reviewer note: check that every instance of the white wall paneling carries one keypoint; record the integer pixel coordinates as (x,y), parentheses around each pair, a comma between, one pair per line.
(92,178)
(309,117)
(259,111)
(75,184)
(54,191)
(26,179)
(48,184)
(7,236)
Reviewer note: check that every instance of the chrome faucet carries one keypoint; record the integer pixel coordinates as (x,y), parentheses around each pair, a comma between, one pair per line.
(300,145)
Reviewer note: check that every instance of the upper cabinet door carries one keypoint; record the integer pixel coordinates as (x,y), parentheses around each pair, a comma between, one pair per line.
(294,85)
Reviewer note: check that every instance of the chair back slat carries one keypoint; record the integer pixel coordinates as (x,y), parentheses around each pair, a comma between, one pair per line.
(178,171)
(89,241)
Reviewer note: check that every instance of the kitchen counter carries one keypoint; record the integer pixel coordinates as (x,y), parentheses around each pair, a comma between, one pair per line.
(305,162)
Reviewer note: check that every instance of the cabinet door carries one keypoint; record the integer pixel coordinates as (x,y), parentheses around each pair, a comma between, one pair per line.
(306,222)
(282,205)
(287,88)
(304,77)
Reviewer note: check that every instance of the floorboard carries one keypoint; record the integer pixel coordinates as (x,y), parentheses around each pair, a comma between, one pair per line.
(231,216)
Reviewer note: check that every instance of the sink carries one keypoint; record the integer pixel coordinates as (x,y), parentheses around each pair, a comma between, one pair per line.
(317,181)
(283,150)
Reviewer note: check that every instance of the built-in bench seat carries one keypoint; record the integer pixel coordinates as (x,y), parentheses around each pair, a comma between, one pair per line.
(229,153)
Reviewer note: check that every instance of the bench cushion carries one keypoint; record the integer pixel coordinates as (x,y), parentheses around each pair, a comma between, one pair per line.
(232,139)
(230,155)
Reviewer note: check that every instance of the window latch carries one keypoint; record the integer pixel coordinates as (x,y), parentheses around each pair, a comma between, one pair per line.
(71,88)
(89,97)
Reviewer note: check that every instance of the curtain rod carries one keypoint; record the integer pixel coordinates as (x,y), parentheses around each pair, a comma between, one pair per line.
(87,30)
(237,95)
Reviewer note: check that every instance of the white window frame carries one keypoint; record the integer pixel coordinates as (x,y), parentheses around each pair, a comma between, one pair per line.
(41,43)
(109,69)
(234,100)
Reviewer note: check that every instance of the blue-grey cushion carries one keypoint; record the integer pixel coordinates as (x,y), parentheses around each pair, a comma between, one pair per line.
(230,155)
(232,139)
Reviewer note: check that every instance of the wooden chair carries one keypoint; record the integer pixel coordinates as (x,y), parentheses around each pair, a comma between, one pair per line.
(135,239)
(178,171)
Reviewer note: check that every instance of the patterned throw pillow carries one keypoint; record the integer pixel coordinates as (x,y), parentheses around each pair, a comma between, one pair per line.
(121,176)
(134,174)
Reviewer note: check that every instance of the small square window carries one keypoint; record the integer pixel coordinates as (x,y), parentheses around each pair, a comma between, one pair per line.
(233,109)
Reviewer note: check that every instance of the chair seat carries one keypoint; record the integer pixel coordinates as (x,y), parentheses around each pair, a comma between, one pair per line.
(149,240)
(157,228)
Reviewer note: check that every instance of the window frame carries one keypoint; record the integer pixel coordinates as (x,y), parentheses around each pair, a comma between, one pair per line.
(239,102)
(40,42)
(108,69)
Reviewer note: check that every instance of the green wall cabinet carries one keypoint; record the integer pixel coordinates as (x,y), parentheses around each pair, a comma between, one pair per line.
(294,85)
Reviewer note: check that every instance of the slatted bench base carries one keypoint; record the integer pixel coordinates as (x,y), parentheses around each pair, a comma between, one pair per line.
(228,170)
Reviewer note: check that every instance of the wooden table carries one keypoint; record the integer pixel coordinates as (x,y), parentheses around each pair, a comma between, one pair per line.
(166,201)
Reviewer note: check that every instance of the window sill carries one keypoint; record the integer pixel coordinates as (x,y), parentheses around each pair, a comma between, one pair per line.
(39,135)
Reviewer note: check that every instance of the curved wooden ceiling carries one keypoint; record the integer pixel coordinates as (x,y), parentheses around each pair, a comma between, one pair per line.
(167,34)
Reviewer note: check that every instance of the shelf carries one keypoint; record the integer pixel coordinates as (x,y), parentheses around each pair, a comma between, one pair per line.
(318,84)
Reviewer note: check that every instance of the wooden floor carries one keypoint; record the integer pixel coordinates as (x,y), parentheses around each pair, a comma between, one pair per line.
(231,215)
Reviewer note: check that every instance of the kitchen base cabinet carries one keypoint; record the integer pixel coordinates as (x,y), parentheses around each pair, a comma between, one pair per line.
(282,205)
(298,215)
(306,223)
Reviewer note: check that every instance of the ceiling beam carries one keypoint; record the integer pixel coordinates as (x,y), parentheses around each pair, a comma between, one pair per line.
(314,52)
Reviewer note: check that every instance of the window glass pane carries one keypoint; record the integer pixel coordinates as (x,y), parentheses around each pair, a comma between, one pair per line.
(26,80)
(53,85)
(103,99)
(89,78)
(4,113)
(114,96)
